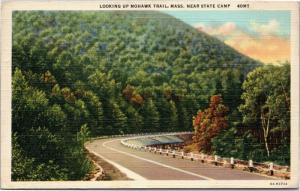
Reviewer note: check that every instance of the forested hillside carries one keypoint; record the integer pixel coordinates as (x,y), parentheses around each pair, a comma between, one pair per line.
(80,74)
(263,133)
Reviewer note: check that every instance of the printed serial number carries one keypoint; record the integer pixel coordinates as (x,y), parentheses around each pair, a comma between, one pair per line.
(278,183)
(243,6)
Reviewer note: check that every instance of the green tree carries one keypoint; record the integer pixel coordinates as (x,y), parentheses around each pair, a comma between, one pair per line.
(151,116)
(266,104)
(28,169)
(173,117)
(27,102)
(184,120)
(135,121)
(119,120)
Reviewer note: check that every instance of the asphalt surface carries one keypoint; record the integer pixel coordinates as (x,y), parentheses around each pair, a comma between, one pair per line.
(138,164)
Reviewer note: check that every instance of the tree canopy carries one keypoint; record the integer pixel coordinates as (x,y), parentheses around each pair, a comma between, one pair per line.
(262,130)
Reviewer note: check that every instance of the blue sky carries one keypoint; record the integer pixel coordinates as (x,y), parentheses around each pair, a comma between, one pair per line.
(263,35)
(242,19)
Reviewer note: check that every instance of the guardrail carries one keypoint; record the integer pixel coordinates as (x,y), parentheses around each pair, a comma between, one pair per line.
(269,168)
(139,135)
(153,135)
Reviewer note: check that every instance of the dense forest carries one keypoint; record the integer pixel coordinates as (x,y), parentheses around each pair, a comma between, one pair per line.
(263,132)
(82,74)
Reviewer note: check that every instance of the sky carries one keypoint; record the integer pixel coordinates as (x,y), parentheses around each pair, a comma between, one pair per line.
(262,35)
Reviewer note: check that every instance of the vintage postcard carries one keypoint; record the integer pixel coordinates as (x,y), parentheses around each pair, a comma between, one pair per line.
(149,94)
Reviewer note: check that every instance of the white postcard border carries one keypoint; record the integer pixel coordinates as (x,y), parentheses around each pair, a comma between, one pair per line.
(6,41)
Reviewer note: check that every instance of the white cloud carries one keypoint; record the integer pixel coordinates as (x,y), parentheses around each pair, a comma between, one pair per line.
(221,30)
(271,27)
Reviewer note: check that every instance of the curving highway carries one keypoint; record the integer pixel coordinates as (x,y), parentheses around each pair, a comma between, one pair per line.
(141,165)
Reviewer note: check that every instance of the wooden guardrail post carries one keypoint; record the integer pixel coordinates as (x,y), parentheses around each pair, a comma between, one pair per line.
(271,169)
(232,162)
(216,160)
(182,155)
(160,151)
(250,163)
(173,153)
(202,158)
(167,152)
(192,156)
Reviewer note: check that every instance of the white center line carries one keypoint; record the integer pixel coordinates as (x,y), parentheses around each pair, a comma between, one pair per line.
(153,162)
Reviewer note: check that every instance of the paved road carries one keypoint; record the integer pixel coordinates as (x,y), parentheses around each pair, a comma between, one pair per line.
(141,165)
